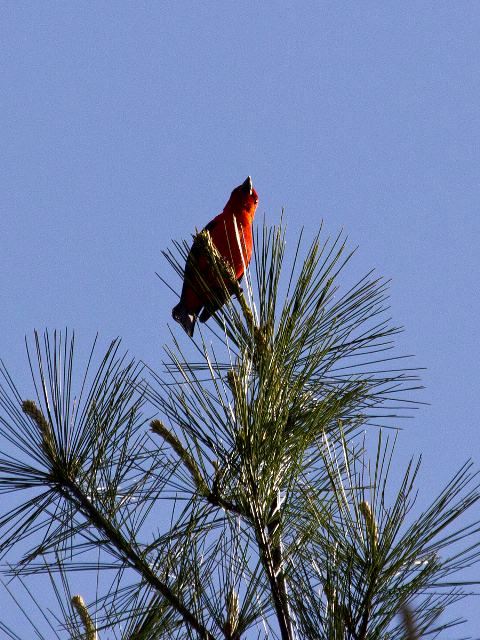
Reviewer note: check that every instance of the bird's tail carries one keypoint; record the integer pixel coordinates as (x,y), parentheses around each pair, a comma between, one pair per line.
(183,317)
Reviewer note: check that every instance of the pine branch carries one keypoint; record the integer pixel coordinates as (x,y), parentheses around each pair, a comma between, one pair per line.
(82,611)
(366,606)
(409,623)
(213,496)
(230,628)
(275,544)
(160,429)
(67,486)
(271,558)
(71,491)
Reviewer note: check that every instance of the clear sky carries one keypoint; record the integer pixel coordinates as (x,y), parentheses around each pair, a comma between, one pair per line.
(126,124)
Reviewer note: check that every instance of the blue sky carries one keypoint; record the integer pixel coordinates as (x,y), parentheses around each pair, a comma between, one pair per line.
(127,124)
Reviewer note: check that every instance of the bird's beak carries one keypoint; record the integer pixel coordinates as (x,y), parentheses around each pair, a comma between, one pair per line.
(247,185)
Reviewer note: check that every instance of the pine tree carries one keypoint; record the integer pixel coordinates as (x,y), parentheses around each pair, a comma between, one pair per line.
(235,493)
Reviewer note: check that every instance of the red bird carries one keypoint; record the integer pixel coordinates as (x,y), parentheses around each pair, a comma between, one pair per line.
(235,248)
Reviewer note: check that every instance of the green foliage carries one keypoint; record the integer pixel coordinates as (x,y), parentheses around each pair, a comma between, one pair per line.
(252,507)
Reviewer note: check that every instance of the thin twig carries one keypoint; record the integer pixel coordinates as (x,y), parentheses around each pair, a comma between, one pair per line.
(81,608)
(160,429)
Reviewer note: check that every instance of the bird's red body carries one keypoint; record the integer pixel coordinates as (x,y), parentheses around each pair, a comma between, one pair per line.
(231,234)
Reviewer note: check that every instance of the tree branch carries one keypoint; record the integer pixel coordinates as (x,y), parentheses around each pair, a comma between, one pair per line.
(81,608)
(160,429)
(269,542)
(69,489)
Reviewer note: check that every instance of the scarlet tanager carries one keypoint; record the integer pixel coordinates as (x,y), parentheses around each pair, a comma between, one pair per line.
(231,235)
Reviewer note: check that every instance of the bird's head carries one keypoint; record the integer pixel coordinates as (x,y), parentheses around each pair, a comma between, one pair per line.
(244,199)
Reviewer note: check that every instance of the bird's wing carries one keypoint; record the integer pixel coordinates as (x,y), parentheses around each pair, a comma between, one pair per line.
(213,224)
